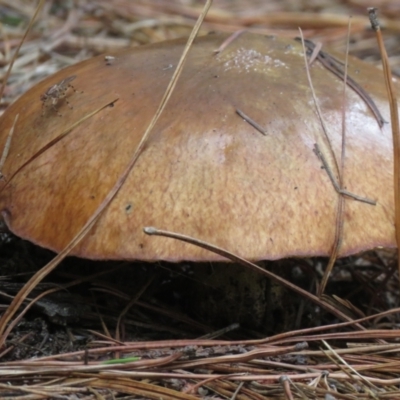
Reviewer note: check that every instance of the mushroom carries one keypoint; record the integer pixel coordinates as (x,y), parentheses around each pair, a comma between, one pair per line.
(231,161)
(207,170)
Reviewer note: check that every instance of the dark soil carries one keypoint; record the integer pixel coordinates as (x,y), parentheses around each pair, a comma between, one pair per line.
(172,301)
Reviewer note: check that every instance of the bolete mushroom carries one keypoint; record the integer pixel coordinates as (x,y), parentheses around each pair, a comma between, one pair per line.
(206,171)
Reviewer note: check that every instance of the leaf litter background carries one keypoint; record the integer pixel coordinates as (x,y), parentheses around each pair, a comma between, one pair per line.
(176,361)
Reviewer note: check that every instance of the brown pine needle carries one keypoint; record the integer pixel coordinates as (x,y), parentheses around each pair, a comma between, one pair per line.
(341,201)
(233,257)
(251,121)
(394,117)
(59,137)
(335,184)
(338,227)
(32,20)
(333,65)
(7,146)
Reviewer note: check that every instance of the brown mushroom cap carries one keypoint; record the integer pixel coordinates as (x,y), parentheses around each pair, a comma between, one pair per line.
(205,171)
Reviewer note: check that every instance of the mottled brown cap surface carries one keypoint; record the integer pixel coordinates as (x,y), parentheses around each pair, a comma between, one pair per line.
(205,171)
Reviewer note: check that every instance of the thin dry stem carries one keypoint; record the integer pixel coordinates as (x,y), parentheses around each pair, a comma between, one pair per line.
(57,139)
(38,8)
(250,121)
(233,257)
(341,201)
(338,226)
(394,116)
(7,145)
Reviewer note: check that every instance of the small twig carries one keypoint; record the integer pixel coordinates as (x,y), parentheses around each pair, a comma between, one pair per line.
(5,79)
(288,381)
(316,104)
(325,130)
(335,184)
(229,40)
(237,391)
(133,300)
(316,51)
(284,381)
(333,65)
(251,122)
(221,332)
(38,8)
(56,139)
(341,172)
(233,257)
(335,353)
